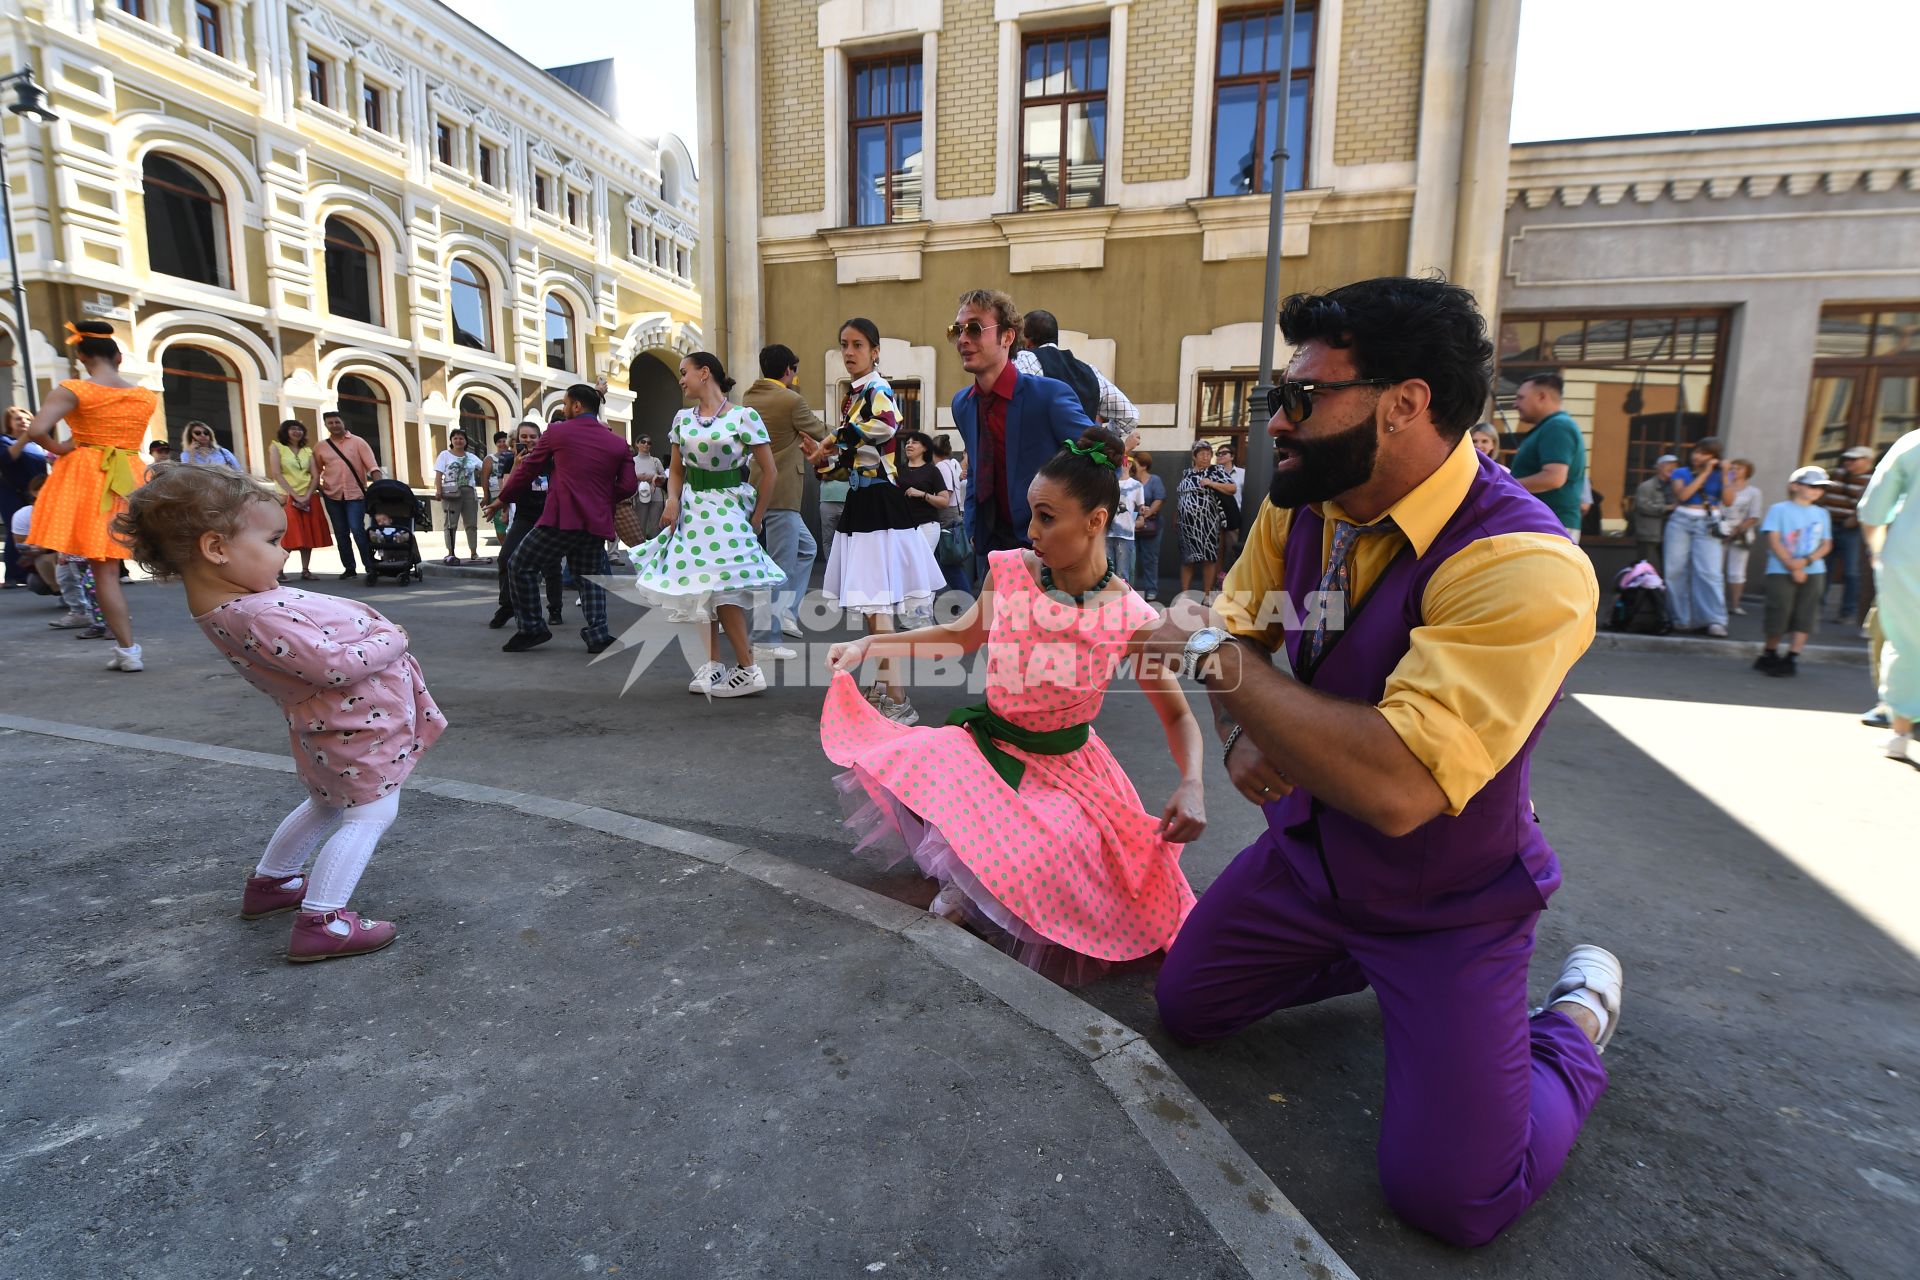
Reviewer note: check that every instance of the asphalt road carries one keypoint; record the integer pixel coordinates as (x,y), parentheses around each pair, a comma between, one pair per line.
(1737,840)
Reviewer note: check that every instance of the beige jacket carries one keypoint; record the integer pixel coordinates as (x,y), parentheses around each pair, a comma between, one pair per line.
(788,418)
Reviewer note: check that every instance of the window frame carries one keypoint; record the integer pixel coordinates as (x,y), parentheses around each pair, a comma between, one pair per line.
(1262,147)
(1237,436)
(376,294)
(1868,370)
(1064,101)
(913,114)
(383,426)
(210,15)
(373,106)
(446,141)
(484,284)
(543,184)
(133,8)
(554,297)
(225,268)
(236,392)
(572,205)
(319,80)
(486,161)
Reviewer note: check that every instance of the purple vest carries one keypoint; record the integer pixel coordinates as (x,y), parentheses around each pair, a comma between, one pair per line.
(1492,861)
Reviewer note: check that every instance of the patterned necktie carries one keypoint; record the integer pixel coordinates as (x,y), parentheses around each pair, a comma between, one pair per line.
(1339,577)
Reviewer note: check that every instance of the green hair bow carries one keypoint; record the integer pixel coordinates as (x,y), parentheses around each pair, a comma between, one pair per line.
(1098,452)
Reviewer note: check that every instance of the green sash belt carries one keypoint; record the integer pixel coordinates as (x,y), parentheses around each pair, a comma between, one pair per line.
(985,727)
(118,464)
(701,479)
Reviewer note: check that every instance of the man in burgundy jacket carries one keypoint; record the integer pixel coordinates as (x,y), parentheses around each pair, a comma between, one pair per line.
(591,472)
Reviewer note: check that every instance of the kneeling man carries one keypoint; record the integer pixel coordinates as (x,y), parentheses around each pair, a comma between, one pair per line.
(1430,608)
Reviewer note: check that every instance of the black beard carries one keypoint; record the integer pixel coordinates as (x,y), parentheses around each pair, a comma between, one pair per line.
(1328,465)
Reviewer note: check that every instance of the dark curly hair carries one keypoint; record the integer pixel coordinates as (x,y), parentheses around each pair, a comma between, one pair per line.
(1092,483)
(1403,327)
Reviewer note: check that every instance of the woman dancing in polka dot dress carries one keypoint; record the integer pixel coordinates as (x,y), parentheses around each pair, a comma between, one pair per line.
(706,561)
(1016,806)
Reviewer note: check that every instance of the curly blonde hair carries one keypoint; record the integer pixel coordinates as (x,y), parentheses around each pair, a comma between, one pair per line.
(180,501)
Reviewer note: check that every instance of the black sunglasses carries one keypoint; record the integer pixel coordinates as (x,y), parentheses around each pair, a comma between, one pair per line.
(1295,399)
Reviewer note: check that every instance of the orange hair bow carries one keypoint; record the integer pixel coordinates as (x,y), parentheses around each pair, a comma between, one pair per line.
(74,336)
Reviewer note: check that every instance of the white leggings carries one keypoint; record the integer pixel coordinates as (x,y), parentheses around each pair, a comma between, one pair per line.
(345,839)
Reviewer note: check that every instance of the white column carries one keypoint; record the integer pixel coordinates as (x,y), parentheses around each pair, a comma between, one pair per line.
(1443,119)
(714,263)
(1480,221)
(746,322)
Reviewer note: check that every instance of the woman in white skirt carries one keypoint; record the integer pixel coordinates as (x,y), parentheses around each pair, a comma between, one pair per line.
(707,561)
(880,563)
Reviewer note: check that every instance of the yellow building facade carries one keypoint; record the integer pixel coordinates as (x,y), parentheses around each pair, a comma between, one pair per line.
(291,206)
(1108,161)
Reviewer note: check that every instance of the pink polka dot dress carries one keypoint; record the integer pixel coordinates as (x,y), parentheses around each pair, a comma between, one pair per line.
(1071,861)
(357,707)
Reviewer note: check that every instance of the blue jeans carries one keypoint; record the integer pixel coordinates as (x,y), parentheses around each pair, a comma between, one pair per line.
(792,547)
(1146,559)
(1845,559)
(349,521)
(1696,577)
(1120,555)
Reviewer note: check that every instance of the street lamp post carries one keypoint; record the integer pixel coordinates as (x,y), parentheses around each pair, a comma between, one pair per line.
(1259,460)
(29,100)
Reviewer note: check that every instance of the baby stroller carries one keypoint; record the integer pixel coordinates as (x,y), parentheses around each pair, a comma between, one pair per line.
(396,546)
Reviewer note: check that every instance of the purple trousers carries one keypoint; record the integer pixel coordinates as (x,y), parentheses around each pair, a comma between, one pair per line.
(1482,1102)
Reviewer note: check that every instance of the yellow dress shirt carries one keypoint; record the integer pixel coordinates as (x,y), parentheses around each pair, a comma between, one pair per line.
(1504,620)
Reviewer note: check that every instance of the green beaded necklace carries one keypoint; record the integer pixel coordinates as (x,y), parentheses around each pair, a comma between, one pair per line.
(1046,585)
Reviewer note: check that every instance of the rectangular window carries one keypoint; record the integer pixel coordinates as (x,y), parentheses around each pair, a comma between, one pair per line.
(1225,408)
(573,208)
(1866,380)
(1246,100)
(883,143)
(906,398)
(660,252)
(1639,384)
(135,8)
(318,80)
(680,263)
(487,165)
(633,241)
(540,191)
(1063,120)
(373,111)
(443,142)
(210,27)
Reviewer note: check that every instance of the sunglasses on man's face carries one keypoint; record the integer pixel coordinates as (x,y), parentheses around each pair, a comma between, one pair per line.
(1295,399)
(972,331)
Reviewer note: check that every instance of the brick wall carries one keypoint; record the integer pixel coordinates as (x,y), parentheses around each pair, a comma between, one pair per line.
(1159,107)
(792,177)
(1381,45)
(968,100)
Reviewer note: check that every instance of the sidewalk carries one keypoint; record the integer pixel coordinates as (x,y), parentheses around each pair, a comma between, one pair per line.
(586,1054)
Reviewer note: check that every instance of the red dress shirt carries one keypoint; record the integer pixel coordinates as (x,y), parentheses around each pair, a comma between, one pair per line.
(990,478)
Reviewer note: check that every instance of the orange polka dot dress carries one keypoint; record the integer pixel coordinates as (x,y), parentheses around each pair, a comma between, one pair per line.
(87,487)
(1071,860)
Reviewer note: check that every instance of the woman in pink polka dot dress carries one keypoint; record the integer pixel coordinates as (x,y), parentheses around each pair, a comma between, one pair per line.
(1016,807)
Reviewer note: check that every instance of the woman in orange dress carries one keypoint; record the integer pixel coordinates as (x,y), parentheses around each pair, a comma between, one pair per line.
(96,469)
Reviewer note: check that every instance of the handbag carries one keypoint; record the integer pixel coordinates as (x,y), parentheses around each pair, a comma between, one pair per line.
(627,524)
(954,549)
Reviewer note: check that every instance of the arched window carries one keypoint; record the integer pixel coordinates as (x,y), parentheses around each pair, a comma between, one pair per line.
(559,333)
(472,306)
(364,406)
(198,385)
(353,272)
(479,421)
(186,221)
(670,179)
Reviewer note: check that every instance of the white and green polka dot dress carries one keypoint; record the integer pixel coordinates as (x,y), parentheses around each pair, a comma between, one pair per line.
(712,556)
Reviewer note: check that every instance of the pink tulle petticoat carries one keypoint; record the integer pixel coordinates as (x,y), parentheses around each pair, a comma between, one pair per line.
(890,833)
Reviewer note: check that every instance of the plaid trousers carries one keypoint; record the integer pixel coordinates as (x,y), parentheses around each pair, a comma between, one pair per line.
(539,553)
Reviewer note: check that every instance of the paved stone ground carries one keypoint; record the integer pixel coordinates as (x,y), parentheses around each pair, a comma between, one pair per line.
(1736,839)
(581,1057)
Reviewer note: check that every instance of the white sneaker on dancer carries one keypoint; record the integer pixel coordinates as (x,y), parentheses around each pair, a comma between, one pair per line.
(127,659)
(1896,746)
(949,904)
(1591,977)
(704,680)
(740,682)
(900,712)
(791,629)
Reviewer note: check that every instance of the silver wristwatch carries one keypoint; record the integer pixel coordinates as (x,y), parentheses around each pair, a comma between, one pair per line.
(1201,645)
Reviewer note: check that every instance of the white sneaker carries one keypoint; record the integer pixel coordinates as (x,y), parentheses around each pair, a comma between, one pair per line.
(127,659)
(791,629)
(900,712)
(949,904)
(774,653)
(740,682)
(70,621)
(1596,971)
(681,615)
(709,675)
(1717,631)
(1896,746)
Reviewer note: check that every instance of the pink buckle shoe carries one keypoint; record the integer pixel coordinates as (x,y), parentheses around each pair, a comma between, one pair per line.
(269,896)
(312,940)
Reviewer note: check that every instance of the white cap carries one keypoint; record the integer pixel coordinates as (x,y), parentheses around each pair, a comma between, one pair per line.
(1858,451)
(1666,457)
(1809,475)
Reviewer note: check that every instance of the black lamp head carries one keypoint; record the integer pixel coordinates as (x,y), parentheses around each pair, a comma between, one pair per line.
(29,99)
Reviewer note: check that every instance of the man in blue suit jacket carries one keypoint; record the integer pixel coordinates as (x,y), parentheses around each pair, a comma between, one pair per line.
(1011,423)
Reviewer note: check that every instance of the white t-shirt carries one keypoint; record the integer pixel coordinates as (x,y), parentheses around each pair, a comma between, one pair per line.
(458,469)
(956,485)
(1239,475)
(22,523)
(1132,498)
